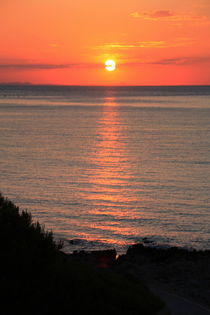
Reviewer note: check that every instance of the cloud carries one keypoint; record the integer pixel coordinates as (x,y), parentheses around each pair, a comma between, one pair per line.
(33,66)
(114,45)
(151,44)
(182,60)
(178,42)
(168,15)
(141,44)
(177,61)
(41,66)
(152,15)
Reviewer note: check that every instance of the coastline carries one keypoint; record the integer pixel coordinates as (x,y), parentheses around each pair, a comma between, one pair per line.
(173,275)
(178,276)
(175,270)
(40,279)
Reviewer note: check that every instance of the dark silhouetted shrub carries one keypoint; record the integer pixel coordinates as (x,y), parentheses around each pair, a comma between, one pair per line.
(36,278)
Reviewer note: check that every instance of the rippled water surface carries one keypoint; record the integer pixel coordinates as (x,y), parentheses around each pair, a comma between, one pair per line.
(108,167)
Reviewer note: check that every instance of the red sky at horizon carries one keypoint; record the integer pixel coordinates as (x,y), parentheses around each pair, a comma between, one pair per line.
(154,42)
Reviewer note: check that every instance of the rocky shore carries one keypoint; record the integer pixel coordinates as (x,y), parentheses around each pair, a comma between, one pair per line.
(185,273)
(180,271)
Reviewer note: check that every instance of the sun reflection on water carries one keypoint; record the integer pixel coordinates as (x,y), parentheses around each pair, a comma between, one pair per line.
(107,191)
(111,167)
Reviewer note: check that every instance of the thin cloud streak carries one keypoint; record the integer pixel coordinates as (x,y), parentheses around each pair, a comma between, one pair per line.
(167,15)
(182,61)
(142,44)
(33,66)
(178,61)
(179,42)
(41,66)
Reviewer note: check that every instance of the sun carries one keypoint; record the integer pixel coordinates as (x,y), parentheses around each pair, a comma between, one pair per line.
(110,65)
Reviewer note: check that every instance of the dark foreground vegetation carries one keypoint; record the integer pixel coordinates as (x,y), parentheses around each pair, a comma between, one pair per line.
(37,278)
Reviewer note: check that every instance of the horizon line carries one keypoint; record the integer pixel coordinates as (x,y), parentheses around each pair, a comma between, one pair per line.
(86,85)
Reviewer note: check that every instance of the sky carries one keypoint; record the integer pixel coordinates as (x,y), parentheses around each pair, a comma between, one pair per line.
(153,42)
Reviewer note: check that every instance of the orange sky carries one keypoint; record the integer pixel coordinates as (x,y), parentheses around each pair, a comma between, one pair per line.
(154,42)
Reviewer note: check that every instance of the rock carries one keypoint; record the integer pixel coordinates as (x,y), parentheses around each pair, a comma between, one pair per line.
(104,258)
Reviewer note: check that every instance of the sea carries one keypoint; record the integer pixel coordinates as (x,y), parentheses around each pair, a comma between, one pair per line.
(108,167)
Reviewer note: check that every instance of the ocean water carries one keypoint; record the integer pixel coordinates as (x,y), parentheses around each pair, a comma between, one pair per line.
(107,167)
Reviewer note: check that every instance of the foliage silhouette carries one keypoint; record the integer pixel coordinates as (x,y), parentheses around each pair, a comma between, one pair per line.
(38,278)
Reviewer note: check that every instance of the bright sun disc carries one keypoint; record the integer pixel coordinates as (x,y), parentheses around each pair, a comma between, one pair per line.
(110,65)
